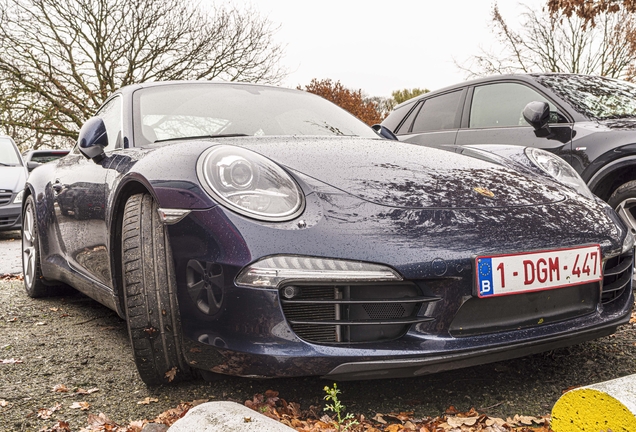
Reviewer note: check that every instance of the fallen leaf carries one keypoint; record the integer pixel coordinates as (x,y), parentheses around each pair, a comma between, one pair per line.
(247,419)
(54,309)
(378,417)
(461,421)
(60,426)
(451,410)
(101,422)
(172,415)
(81,391)
(147,401)
(60,388)
(41,323)
(10,361)
(393,428)
(136,426)
(495,421)
(45,413)
(171,374)
(198,402)
(84,406)
(3,403)
(409,425)
(14,319)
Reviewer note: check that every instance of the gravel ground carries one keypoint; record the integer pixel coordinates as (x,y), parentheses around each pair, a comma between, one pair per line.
(10,258)
(76,342)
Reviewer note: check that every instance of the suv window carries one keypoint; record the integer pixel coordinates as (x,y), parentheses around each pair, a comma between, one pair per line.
(502,104)
(111,114)
(437,113)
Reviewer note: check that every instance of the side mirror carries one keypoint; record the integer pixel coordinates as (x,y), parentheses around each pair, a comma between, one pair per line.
(537,114)
(384,132)
(93,139)
(31,165)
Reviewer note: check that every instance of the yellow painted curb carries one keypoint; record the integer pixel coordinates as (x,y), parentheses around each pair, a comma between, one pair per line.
(600,407)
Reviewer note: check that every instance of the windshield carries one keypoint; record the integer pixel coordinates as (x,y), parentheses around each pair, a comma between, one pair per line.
(595,97)
(8,153)
(174,111)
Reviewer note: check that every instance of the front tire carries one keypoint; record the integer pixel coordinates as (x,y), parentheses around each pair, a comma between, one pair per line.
(150,296)
(623,200)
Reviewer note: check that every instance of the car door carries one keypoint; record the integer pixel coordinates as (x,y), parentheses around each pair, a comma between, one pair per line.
(80,193)
(494,115)
(433,120)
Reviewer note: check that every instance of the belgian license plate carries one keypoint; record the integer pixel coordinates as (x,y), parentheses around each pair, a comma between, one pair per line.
(518,273)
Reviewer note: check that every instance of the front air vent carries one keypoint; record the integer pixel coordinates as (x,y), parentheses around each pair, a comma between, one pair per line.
(352,313)
(617,276)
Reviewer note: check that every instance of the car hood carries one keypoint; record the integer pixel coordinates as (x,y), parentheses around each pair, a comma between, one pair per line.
(619,123)
(396,174)
(12,178)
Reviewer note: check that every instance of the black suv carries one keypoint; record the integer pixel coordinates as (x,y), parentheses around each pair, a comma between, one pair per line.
(589,121)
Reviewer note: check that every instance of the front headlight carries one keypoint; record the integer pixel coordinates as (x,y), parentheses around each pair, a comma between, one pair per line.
(249,184)
(559,170)
(18,197)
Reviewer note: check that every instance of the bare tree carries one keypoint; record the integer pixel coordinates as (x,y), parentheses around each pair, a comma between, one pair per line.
(62,58)
(550,43)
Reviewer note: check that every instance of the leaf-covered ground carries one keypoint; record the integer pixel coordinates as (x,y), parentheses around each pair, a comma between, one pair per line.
(65,364)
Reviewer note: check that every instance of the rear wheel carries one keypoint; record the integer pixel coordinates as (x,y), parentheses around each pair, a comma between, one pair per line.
(623,200)
(149,294)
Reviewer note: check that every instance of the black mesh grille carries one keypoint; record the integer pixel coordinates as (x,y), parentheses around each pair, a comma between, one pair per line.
(352,313)
(384,311)
(617,276)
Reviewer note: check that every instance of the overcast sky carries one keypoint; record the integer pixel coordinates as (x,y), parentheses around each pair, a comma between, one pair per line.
(382,46)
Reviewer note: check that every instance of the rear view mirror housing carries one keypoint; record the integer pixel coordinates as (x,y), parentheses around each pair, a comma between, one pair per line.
(93,139)
(537,114)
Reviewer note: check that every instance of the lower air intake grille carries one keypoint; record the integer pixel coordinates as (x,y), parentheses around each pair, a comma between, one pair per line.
(352,313)
(5,197)
(617,276)
(7,221)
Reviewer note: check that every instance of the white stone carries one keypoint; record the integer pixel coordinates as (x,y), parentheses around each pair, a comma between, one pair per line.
(226,416)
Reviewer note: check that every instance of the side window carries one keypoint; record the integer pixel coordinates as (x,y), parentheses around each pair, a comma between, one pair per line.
(406,125)
(501,105)
(393,120)
(438,113)
(111,114)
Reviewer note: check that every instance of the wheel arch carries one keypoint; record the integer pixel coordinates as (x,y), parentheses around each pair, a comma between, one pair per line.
(126,189)
(605,181)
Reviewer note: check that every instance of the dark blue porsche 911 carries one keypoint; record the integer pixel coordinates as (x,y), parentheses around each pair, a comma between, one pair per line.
(258,231)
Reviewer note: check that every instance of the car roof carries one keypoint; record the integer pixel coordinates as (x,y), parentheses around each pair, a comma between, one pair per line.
(134,87)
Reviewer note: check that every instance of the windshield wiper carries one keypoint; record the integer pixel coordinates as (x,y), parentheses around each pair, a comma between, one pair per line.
(202,136)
